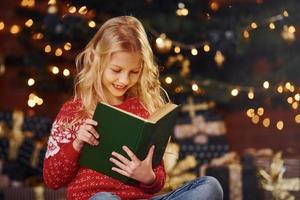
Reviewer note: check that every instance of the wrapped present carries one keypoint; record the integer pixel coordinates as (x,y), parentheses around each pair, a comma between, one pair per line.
(215,147)
(237,177)
(279,177)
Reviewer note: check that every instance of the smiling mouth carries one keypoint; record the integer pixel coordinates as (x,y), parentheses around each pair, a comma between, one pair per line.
(119,87)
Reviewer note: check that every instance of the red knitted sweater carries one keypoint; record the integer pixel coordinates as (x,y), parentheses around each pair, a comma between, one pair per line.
(61,166)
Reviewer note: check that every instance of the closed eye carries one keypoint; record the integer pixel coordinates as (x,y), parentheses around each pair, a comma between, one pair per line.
(116,70)
(135,72)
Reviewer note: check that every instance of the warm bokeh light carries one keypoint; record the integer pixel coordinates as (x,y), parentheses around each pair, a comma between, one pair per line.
(195,87)
(29,23)
(266,122)
(250,112)
(168,80)
(92,24)
(177,49)
(55,70)
(260,111)
(58,52)
(234,92)
(297,119)
(251,94)
(266,84)
(280,125)
(14,29)
(68,46)
(30,82)
(66,72)
(206,48)
(194,51)
(255,119)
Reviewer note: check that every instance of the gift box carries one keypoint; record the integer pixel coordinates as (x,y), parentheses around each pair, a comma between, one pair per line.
(284,173)
(236,176)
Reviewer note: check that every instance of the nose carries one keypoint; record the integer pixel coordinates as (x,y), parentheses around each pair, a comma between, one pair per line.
(124,78)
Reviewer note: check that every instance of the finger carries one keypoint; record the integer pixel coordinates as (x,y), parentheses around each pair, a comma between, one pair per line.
(92,130)
(121,158)
(130,154)
(119,164)
(120,171)
(91,122)
(88,138)
(150,153)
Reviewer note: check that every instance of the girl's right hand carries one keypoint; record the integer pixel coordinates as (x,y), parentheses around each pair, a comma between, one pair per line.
(86,134)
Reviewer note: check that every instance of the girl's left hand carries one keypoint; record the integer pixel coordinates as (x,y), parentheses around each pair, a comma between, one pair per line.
(139,170)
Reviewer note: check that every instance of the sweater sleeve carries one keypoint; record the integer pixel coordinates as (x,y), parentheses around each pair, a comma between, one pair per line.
(61,159)
(159,182)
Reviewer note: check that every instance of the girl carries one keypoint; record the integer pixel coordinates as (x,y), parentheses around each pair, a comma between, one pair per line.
(117,66)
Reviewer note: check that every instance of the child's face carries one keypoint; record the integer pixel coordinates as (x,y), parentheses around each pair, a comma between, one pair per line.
(122,72)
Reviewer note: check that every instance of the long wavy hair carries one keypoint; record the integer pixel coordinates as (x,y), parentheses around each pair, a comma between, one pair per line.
(124,33)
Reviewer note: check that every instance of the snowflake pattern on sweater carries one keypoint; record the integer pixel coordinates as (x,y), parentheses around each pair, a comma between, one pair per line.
(61,168)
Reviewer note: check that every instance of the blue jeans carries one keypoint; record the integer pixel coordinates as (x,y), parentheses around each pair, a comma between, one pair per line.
(203,188)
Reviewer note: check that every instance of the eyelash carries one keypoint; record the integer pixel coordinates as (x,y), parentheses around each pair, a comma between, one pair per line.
(117,71)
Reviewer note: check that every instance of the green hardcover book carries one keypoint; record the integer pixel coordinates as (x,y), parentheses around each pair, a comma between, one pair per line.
(117,128)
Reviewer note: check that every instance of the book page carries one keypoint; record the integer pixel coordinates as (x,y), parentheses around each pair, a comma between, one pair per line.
(162,112)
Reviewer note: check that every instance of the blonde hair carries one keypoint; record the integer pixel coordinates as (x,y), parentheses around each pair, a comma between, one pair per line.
(124,33)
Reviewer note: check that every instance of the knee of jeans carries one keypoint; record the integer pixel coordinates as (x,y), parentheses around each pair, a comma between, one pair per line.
(215,186)
(104,196)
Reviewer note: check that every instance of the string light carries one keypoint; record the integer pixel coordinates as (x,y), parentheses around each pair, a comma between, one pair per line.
(195,87)
(253,25)
(297,97)
(177,49)
(66,72)
(72,9)
(2,25)
(168,80)
(266,84)
(246,34)
(260,111)
(297,119)
(37,36)
(206,48)
(280,125)
(68,46)
(47,48)
(30,82)
(234,92)
(295,105)
(272,26)
(52,9)
(83,10)
(290,100)
(58,52)
(255,119)
(194,51)
(250,112)
(219,58)
(251,94)
(29,23)
(214,6)
(280,89)
(55,70)
(34,100)
(266,122)
(92,24)
(14,29)
(28,3)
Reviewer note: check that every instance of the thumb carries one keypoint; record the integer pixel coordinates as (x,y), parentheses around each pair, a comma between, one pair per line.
(150,154)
